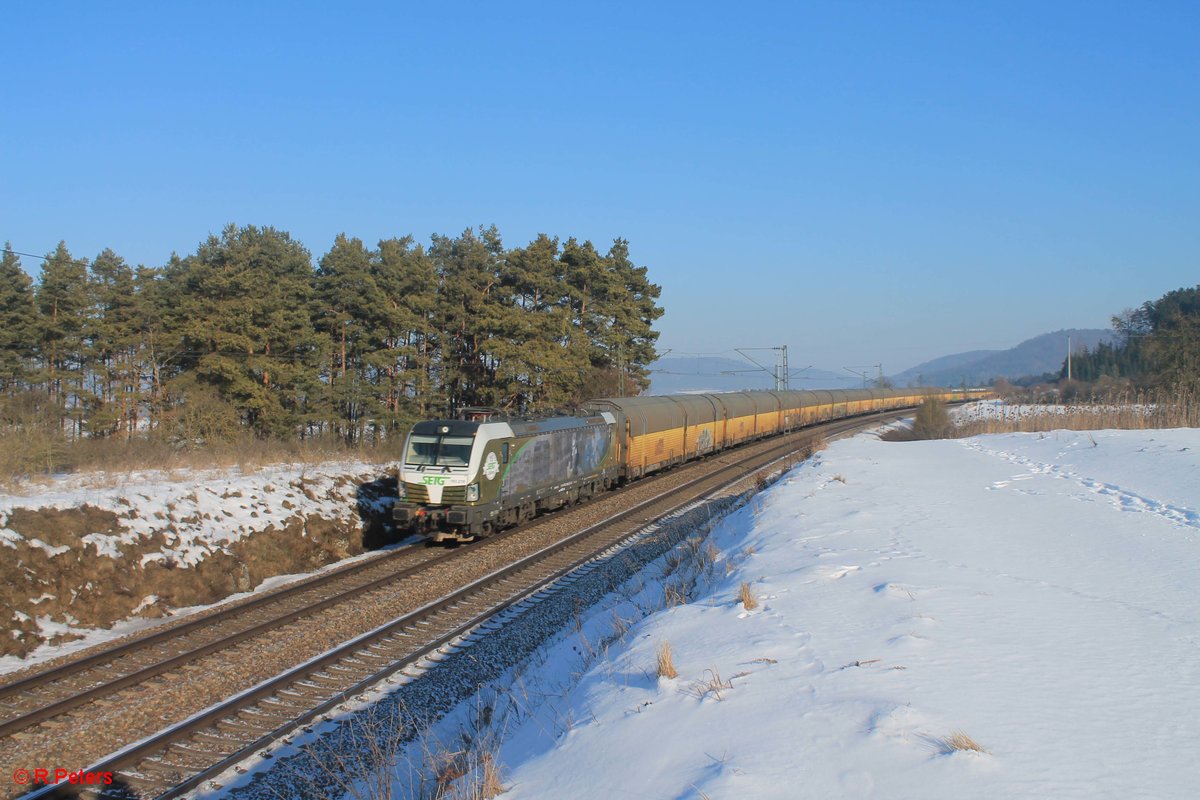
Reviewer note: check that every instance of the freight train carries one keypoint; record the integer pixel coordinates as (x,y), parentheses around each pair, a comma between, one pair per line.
(465,478)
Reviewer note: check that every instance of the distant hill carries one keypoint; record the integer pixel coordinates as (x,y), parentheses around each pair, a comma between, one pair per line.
(1034,356)
(680,375)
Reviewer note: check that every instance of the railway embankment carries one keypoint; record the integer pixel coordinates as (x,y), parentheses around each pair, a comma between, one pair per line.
(83,554)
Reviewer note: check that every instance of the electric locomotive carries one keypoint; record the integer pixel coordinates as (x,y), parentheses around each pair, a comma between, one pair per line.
(464,478)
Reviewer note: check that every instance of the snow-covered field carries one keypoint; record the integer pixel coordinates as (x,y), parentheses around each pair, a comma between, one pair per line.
(1039,593)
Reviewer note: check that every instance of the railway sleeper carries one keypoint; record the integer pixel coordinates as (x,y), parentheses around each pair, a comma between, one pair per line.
(234,736)
(267,713)
(295,697)
(143,785)
(202,746)
(156,769)
(311,691)
(191,760)
(133,787)
(236,728)
(321,679)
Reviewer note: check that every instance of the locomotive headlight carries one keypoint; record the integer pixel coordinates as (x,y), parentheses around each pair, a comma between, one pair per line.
(472,492)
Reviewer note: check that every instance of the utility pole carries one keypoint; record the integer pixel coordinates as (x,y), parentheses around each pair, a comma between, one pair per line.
(779,374)
(864,373)
(854,371)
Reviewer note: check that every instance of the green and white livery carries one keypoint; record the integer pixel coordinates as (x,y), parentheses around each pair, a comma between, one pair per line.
(461,479)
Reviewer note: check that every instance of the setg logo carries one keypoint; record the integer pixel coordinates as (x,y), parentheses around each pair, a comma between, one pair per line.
(491,466)
(434,480)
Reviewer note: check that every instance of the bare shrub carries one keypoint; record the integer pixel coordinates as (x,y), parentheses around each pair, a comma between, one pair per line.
(932,420)
(673,561)
(666,662)
(361,765)
(675,594)
(747,597)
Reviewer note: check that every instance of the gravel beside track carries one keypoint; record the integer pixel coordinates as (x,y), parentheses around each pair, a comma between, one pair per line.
(83,735)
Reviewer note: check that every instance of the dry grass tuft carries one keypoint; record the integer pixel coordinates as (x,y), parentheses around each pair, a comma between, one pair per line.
(960,740)
(666,662)
(840,478)
(491,783)
(713,685)
(747,597)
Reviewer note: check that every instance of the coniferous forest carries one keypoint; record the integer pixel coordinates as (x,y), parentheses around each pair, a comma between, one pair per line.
(250,335)
(1158,346)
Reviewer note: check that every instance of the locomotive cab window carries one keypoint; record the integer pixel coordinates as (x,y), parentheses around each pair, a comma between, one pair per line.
(441,451)
(504,453)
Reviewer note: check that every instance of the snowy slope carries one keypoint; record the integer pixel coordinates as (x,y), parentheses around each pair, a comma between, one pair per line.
(1036,592)
(86,557)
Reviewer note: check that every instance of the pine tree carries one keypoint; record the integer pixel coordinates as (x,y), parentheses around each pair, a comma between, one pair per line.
(468,310)
(346,292)
(631,316)
(162,350)
(614,306)
(247,327)
(62,301)
(113,343)
(543,355)
(402,321)
(17,323)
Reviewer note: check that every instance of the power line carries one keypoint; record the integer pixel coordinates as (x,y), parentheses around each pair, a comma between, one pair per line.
(83,261)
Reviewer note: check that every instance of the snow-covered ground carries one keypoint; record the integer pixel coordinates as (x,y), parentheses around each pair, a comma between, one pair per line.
(197,512)
(1038,593)
(82,557)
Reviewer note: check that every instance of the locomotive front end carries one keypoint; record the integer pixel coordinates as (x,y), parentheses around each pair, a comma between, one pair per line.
(440,481)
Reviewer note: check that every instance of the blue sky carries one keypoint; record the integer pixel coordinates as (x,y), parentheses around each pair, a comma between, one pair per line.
(865,182)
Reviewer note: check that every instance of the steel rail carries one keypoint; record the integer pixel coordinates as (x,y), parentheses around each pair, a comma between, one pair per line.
(156,668)
(107,685)
(136,754)
(224,612)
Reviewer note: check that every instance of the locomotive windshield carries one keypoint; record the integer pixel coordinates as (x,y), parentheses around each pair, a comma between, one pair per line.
(439,451)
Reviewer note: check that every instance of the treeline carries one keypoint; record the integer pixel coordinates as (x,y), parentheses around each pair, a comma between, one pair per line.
(1158,347)
(249,334)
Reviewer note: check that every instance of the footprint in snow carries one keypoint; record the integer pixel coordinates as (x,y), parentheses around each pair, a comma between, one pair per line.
(1126,500)
(903,591)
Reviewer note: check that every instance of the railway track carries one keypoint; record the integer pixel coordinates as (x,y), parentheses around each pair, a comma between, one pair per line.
(185,754)
(45,695)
